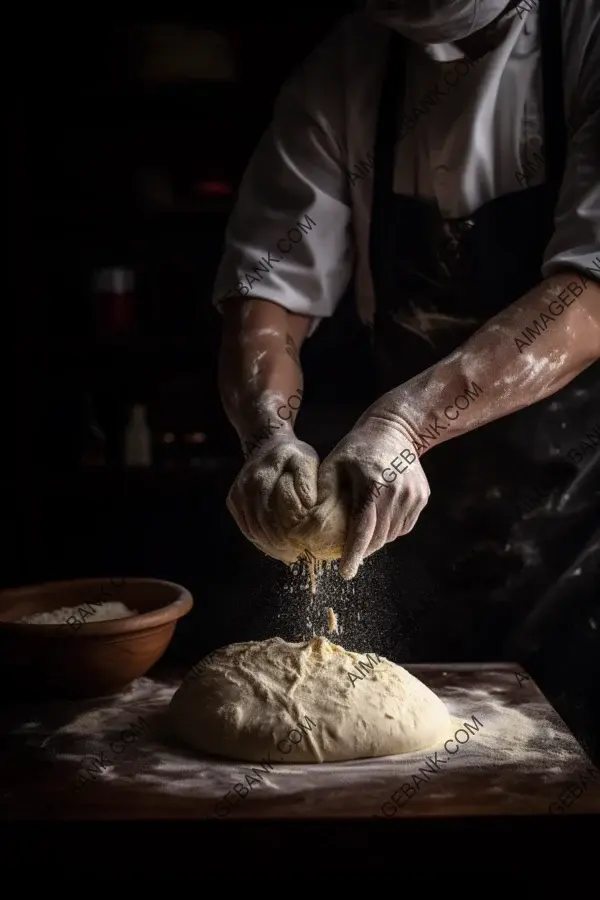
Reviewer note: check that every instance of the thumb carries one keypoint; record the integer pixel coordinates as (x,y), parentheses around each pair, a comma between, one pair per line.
(328,480)
(361,526)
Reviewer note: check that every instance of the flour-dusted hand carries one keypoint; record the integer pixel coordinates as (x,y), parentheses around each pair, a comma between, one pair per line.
(376,466)
(273,491)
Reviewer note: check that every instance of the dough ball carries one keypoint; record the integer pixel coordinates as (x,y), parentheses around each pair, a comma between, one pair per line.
(322,531)
(305,703)
(288,506)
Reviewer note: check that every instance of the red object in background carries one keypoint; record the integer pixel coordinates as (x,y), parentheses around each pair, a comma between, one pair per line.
(114,302)
(213,189)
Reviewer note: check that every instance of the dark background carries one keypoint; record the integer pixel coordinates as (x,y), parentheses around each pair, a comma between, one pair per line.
(98,120)
(115,162)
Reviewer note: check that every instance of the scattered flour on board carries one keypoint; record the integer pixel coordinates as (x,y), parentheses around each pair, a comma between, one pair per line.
(509,736)
(522,740)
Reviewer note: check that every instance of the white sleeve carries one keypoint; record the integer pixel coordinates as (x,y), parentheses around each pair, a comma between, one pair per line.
(289,237)
(576,239)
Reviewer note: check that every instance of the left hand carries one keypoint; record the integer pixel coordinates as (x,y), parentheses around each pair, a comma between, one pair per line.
(275,488)
(376,464)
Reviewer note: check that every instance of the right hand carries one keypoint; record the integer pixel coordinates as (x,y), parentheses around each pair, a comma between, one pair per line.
(376,445)
(273,491)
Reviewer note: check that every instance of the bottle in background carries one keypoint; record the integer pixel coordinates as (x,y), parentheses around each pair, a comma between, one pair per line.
(138,438)
(114,304)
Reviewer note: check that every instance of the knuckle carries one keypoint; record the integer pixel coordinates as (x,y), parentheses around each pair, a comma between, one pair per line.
(410,523)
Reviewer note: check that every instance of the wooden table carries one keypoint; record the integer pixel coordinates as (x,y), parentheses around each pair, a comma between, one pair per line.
(515,772)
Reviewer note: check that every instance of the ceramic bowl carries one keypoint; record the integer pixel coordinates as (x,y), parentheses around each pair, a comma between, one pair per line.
(85,657)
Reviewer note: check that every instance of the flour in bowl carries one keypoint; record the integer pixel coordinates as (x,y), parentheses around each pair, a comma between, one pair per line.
(104,613)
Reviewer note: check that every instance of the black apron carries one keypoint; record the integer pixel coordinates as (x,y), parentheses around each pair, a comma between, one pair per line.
(504,561)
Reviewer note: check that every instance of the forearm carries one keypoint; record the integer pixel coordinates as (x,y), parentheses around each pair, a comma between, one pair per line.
(515,360)
(260,376)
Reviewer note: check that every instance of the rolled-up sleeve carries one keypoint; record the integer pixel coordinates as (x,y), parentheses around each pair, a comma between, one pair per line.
(289,237)
(576,240)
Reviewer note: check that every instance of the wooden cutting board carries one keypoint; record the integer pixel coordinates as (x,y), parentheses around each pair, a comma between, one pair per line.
(510,754)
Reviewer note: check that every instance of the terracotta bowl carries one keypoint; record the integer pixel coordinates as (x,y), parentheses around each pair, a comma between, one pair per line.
(85,658)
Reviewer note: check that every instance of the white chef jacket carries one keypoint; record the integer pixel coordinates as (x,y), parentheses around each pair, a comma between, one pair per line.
(472,132)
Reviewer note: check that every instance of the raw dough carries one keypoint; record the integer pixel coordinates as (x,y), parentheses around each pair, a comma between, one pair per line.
(323,531)
(305,703)
(332,621)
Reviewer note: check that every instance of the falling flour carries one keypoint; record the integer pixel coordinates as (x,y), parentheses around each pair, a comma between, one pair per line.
(315,567)
(306,616)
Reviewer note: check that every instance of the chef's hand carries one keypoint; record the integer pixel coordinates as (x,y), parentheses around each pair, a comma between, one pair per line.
(273,491)
(376,466)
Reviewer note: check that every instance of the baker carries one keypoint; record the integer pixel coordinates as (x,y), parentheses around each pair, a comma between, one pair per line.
(446,156)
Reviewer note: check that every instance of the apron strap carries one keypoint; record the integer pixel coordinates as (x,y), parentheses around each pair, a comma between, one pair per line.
(390,105)
(555,130)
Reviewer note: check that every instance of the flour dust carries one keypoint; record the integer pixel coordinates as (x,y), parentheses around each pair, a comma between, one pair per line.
(318,602)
